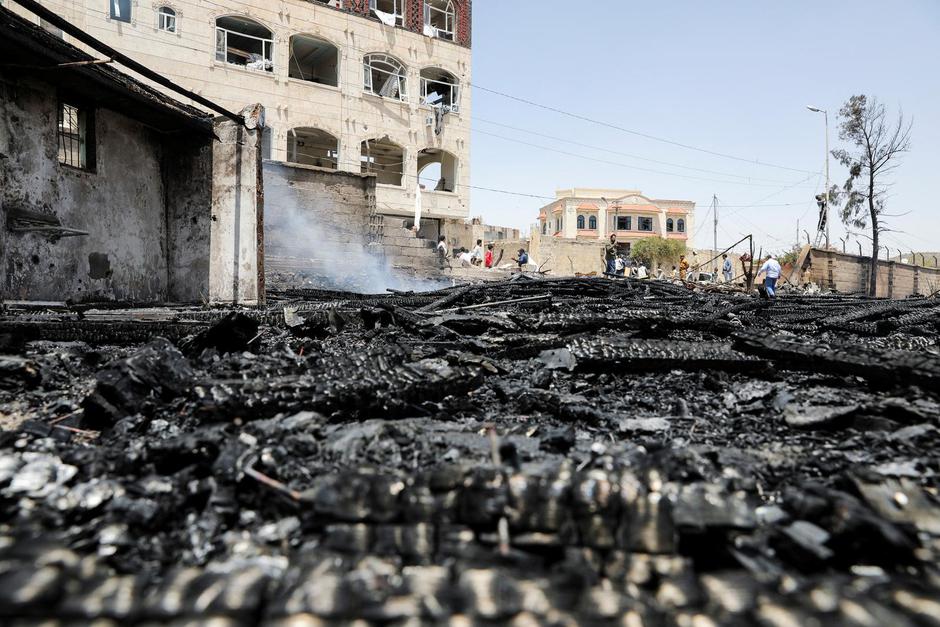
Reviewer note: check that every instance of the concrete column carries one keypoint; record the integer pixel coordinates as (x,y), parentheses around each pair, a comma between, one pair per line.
(602,222)
(570,226)
(236,247)
(662,223)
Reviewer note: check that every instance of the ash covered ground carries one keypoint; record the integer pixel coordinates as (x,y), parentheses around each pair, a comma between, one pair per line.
(535,451)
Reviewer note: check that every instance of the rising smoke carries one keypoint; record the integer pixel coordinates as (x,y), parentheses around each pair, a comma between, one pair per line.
(311,241)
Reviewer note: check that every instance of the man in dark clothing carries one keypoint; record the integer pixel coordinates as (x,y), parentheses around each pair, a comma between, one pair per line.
(610,255)
(522,259)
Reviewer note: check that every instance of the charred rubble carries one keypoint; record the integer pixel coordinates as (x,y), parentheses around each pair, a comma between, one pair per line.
(534,451)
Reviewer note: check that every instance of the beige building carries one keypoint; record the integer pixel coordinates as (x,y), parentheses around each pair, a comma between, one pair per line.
(592,214)
(374,86)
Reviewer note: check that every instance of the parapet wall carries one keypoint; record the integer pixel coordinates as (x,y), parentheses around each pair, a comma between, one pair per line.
(849,273)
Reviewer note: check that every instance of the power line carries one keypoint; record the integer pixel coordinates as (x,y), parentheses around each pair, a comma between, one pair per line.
(637,133)
(624,165)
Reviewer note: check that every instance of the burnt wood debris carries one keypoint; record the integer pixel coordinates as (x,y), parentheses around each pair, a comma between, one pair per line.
(534,451)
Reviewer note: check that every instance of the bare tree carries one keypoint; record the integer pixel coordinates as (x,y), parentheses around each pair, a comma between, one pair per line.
(875,142)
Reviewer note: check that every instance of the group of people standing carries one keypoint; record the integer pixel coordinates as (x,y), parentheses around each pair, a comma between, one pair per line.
(477,256)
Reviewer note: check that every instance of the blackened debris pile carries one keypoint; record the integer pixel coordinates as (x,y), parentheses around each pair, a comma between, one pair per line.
(536,451)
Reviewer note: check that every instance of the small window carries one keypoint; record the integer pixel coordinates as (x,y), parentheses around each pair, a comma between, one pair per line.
(644,224)
(558,225)
(581,223)
(166,19)
(76,138)
(545,228)
(624,223)
(592,223)
(121,10)
(669,225)
(680,225)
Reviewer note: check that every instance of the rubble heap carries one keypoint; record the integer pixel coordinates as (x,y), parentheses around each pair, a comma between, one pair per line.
(535,451)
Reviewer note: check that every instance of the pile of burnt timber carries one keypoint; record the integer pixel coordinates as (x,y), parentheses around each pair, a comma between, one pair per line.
(535,451)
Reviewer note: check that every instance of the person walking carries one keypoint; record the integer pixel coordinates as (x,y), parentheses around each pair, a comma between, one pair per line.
(726,269)
(683,267)
(610,255)
(771,271)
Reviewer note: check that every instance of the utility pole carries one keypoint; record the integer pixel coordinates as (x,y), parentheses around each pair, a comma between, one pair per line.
(826,208)
(715,224)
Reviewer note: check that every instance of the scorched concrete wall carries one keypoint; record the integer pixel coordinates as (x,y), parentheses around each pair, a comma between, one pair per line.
(120,205)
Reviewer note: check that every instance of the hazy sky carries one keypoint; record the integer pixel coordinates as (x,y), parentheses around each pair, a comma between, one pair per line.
(732,77)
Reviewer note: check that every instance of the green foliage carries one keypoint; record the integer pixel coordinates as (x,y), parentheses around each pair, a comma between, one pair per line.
(790,256)
(657,250)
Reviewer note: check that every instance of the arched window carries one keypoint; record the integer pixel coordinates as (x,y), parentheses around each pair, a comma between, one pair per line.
(384,76)
(437,170)
(440,19)
(592,223)
(311,146)
(439,88)
(680,225)
(385,159)
(166,19)
(313,59)
(580,222)
(545,228)
(389,12)
(244,42)
(669,225)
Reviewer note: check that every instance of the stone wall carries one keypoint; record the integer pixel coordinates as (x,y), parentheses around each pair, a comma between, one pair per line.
(565,257)
(849,273)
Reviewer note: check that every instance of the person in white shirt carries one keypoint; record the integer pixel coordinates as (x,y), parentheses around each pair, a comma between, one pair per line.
(477,253)
(466,258)
(771,271)
(442,250)
(618,266)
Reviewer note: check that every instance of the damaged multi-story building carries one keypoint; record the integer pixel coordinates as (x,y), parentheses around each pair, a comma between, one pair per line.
(359,86)
(111,190)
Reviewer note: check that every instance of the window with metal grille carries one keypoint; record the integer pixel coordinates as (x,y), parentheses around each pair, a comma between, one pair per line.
(75,137)
(121,10)
(644,224)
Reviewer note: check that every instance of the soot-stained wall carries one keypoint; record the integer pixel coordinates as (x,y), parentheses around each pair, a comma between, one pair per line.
(142,182)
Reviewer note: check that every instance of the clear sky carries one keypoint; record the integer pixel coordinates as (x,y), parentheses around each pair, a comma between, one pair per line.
(727,76)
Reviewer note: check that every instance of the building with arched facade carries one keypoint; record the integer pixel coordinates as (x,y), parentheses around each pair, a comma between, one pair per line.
(363,86)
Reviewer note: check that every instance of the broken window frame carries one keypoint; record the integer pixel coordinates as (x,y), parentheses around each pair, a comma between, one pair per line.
(397,6)
(76,141)
(680,225)
(644,221)
(368,66)
(627,222)
(449,102)
(448,165)
(166,19)
(331,155)
(670,225)
(292,62)
(370,165)
(118,9)
(222,48)
(450,20)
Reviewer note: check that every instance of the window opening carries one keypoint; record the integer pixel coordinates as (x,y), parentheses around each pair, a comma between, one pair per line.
(389,12)
(440,88)
(384,76)
(439,19)
(313,60)
(644,224)
(166,19)
(680,225)
(243,42)
(545,228)
(75,135)
(592,223)
(437,170)
(311,146)
(624,223)
(669,225)
(385,159)
(580,223)
(121,10)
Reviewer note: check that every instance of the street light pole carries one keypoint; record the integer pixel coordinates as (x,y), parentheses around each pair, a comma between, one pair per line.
(826,115)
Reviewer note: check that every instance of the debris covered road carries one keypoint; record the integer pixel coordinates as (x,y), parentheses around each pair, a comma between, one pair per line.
(534,451)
